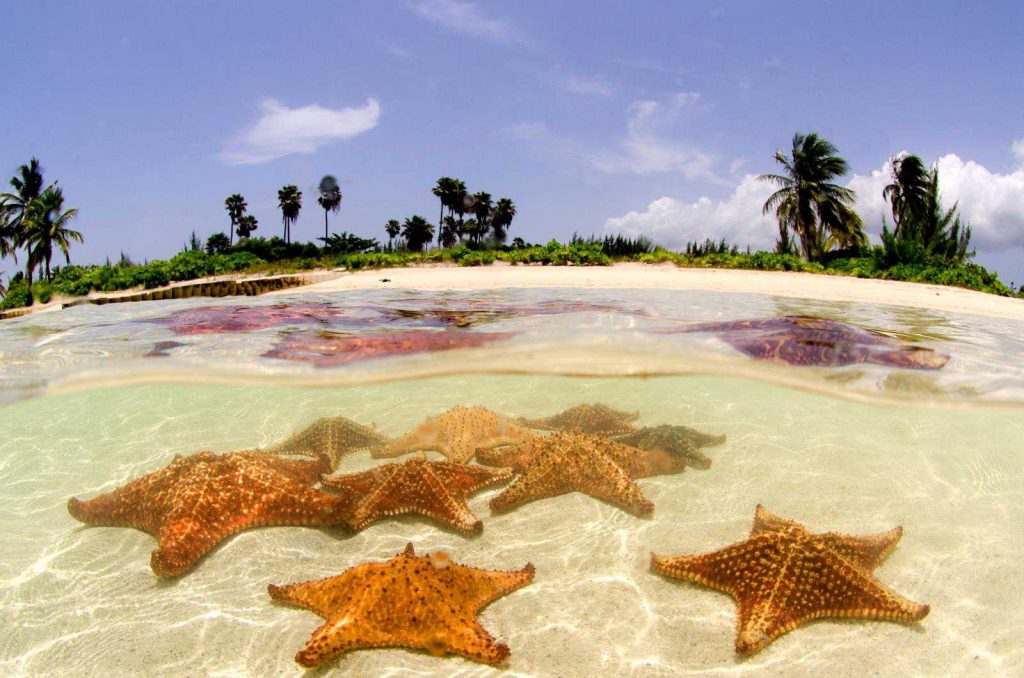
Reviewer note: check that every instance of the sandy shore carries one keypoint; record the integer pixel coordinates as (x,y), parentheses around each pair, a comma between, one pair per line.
(633,275)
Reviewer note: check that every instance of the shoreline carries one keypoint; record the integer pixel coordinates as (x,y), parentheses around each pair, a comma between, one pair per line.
(670,277)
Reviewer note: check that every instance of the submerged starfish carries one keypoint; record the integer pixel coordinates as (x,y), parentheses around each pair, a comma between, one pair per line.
(324,349)
(590,418)
(458,434)
(418,602)
(333,436)
(199,500)
(435,489)
(221,319)
(680,441)
(571,462)
(783,576)
(806,340)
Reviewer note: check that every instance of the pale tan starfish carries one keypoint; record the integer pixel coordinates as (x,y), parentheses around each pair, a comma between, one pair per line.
(419,602)
(333,436)
(783,576)
(458,434)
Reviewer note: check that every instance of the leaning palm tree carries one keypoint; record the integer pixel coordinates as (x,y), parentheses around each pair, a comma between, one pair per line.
(909,191)
(330,197)
(809,202)
(289,199)
(235,205)
(47,224)
(418,232)
(501,218)
(28,186)
(392,228)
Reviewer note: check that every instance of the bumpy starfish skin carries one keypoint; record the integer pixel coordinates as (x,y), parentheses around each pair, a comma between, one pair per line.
(783,576)
(680,441)
(594,419)
(199,500)
(458,434)
(333,436)
(418,602)
(431,488)
(572,462)
(326,349)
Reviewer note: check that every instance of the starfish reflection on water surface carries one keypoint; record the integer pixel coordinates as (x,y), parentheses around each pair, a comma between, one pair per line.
(806,340)
(333,436)
(589,418)
(199,500)
(418,602)
(222,319)
(571,462)
(458,434)
(680,441)
(324,349)
(431,488)
(783,576)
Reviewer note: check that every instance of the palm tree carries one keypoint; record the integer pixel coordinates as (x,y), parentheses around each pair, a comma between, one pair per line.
(392,228)
(418,232)
(808,202)
(444,189)
(47,224)
(501,218)
(450,232)
(289,199)
(236,206)
(13,206)
(330,197)
(908,193)
(483,206)
(918,214)
(246,225)
(217,243)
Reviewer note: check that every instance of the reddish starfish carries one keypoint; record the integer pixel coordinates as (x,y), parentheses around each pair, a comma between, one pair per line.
(418,602)
(805,340)
(221,319)
(573,462)
(434,489)
(199,500)
(324,349)
(783,576)
(458,434)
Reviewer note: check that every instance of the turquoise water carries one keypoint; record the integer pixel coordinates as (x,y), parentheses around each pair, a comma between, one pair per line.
(856,449)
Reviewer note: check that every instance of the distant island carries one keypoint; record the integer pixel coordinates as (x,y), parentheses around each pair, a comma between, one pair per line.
(818,232)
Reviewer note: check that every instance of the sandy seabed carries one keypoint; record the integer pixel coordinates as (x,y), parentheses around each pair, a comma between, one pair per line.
(83,601)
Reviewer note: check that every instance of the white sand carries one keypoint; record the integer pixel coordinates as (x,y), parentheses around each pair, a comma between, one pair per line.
(632,275)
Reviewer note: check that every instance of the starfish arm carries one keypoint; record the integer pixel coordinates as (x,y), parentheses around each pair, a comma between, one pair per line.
(540,481)
(119,508)
(765,521)
(734,569)
(295,504)
(470,641)
(411,491)
(468,478)
(604,479)
(866,552)
(300,470)
(325,597)
(183,542)
(515,457)
(340,635)
(359,484)
(420,439)
(483,587)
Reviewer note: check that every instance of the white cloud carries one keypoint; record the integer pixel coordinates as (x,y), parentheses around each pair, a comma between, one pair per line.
(463,17)
(646,150)
(588,86)
(281,131)
(992,203)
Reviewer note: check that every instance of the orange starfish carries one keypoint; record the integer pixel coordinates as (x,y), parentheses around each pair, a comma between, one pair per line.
(418,602)
(333,436)
(434,489)
(573,462)
(590,418)
(458,434)
(783,576)
(199,500)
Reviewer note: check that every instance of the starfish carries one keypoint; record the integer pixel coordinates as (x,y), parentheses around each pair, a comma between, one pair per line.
(593,419)
(418,602)
(221,319)
(333,436)
(458,434)
(573,462)
(325,349)
(680,441)
(783,576)
(435,489)
(199,500)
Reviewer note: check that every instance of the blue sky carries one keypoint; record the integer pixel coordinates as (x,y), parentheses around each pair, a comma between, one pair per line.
(642,117)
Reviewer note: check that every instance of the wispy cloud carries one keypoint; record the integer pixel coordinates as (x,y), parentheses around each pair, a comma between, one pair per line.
(588,86)
(464,17)
(282,131)
(1018,150)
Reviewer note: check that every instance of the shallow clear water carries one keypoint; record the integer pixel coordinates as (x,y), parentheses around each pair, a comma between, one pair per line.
(856,449)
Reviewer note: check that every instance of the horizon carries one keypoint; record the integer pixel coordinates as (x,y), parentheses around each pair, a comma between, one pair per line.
(643,119)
